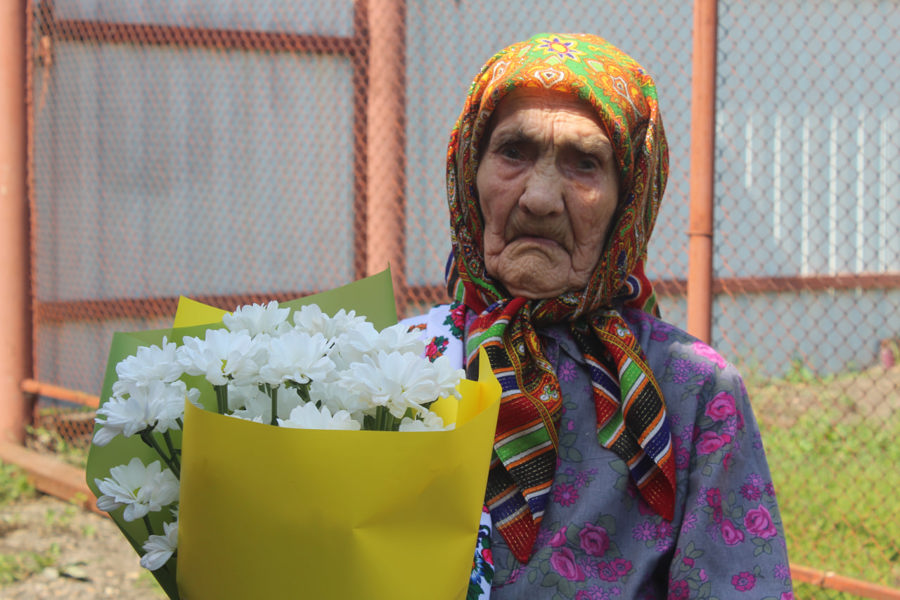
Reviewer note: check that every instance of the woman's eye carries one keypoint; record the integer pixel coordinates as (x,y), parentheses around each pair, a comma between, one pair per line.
(587,163)
(511,151)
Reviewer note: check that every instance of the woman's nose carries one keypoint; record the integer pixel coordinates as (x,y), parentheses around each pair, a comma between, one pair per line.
(543,193)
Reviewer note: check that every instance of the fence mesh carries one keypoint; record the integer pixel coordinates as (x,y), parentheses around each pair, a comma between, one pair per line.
(248,150)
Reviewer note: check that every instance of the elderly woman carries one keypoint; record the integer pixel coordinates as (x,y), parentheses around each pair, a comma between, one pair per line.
(627,462)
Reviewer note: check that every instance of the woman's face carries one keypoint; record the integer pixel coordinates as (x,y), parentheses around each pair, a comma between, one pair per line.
(547,186)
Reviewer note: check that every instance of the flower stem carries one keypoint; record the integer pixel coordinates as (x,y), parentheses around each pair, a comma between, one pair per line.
(272,392)
(173,452)
(150,440)
(384,420)
(147,523)
(221,398)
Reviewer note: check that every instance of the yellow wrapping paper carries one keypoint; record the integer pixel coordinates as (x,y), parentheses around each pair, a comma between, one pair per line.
(285,513)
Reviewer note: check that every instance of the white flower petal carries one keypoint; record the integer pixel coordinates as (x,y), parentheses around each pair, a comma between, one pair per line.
(257,318)
(138,488)
(308,416)
(160,548)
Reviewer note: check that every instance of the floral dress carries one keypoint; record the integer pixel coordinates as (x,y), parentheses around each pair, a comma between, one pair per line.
(598,539)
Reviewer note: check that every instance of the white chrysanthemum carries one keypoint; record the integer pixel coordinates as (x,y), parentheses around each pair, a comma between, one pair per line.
(158,405)
(247,371)
(398,338)
(308,416)
(354,345)
(312,320)
(258,318)
(429,421)
(149,363)
(241,395)
(160,548)
(296,356)
(446,377)
(399,381)
(218,356)
(337,396)
(138,488)
(257,406)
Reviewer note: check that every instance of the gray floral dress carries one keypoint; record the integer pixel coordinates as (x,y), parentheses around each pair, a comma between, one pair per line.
(598,539)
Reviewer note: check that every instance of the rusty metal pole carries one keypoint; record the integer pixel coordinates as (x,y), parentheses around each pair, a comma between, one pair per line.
(386,141)
(702,173)
(15,331)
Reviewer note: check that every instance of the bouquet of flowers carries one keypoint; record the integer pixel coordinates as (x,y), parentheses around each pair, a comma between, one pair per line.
(245,454)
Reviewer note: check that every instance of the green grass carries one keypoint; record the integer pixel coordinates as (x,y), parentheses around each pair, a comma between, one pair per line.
(835,459)
(22,565)
(14,485)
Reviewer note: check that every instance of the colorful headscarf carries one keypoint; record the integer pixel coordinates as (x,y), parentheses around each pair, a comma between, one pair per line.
(631,416)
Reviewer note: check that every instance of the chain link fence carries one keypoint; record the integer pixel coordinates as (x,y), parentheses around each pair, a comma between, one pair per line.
(248,150)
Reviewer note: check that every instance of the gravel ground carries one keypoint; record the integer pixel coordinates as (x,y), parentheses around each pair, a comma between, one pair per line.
(93,559)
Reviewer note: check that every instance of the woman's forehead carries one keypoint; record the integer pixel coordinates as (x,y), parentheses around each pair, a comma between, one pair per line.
(533,106)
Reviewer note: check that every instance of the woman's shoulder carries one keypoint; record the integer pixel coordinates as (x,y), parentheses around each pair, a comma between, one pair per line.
(661,340)
(690,373)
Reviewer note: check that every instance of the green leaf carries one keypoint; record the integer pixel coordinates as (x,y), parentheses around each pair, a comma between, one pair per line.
(550,580)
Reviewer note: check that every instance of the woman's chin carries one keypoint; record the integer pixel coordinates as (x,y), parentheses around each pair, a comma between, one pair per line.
(536,282)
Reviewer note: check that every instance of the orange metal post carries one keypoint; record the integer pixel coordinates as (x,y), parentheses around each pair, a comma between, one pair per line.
(15,331)
(703,130)
(386,139)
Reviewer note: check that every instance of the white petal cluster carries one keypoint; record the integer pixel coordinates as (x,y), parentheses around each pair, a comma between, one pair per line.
(149,364)
(258,318)
(341,364)
(220,356)
(298,357)
(140,489)
(307,416)
(160,548)
(400,381)
(157,405)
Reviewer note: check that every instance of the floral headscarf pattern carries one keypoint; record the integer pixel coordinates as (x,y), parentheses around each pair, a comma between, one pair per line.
(631,416)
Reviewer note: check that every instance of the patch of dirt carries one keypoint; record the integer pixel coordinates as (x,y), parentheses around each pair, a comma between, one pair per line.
(88,557)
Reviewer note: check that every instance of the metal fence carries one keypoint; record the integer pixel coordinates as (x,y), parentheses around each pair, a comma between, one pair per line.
(250,149)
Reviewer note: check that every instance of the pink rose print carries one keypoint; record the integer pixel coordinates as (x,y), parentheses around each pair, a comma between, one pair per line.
(456,319)
(621,566)
(488,556)
(607,572)
(721,407)
(563,562)
(786,596)
(594,539)
(726,460)
(710,441)
(436,348)
(744,581)
(731,535)
(679,590)
(559,538)
(758,522)
(659,336)
(714,501)
(708,353)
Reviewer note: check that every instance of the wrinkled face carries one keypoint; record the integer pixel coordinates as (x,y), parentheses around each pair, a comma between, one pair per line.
(548,189)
